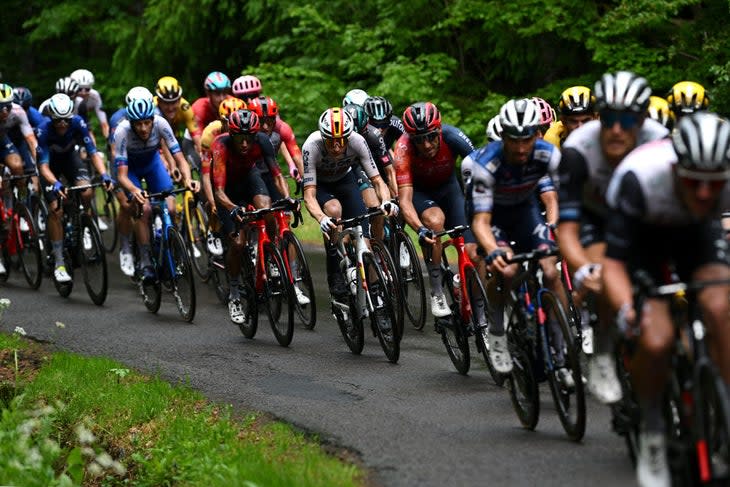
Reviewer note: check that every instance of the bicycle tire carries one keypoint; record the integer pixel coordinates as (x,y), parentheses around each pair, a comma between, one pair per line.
(181,277)
(196,237)
(39,210)
(570,404)
(390,274)
(279,296)
(411,280)
(219,280)
(106,211)
(713,411)
(453,334)
(93,261)
(28,248)
(298,266)
(351,324)
(248,298)
(522,383)
(476,291)
(383,317)
(625,414)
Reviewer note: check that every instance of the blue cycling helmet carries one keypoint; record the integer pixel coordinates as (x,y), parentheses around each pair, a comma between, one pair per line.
(140,109)
(22,96)
(217,81)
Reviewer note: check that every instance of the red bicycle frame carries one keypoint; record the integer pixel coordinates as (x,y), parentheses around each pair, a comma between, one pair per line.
(457,242)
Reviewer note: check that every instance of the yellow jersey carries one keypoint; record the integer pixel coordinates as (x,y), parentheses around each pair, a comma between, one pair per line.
(183,118)
(556,134)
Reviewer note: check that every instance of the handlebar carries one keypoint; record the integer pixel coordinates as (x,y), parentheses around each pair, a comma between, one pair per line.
(452,232)
(284,204)
(644,285)
(533,255)
(356,220)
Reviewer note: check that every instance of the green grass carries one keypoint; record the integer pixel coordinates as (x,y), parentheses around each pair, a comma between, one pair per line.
(161,434)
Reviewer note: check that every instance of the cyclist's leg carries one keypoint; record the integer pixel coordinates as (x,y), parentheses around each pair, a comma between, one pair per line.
(54,225)
(370,198)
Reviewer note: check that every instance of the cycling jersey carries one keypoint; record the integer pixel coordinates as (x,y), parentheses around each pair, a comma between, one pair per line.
(184,119)
(204,112)
(16,118)
(51,144)
(230,166)
(287,136)
(585,173)
(115,120)
(136,153)
(320,165)
(392,131)
(412,169)
(92,102)
(556,134)
(34,117)
(377,147)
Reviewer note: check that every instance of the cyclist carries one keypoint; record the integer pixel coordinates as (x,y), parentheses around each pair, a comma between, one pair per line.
(88,99)
(58,157)
(23,97)
(138,140)
(660,111)
(246,87)
(494,129)
(380,113)
(179,114)
(505,178)
(576,107)
(687,97)
(666,198)
(237,182)
(428,190)
(589,156)
(217,87)
(330,185)
(355,96)
(547,116)
(15,124)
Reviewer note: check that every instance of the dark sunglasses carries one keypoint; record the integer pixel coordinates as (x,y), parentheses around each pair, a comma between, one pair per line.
(336,143)
(61,121)
(692,183)
(381,124)
(627,120)
(6,107)
(268,120)
(249,138)
(84,90)
(431,137)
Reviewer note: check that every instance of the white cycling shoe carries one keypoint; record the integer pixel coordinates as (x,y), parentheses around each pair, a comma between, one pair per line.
(499,354)
(60,274)
(652,467)
(439,308)
(602,379)
(235,311)
(302,298)
(126,262)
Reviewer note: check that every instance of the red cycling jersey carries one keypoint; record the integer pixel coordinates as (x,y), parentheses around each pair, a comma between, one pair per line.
(414,170)
(204,113)
(229,165)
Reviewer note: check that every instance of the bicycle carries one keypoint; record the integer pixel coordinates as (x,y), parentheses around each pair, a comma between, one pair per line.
(541,342)
(368,291)
(409,272)
(82,247)
(264,279)
(696,404)
(20,239)
(194,230)
(170,259)
(463,289)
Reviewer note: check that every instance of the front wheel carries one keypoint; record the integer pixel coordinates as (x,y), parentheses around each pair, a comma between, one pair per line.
(93,261)
(410,274)
(301,277)
(453,332)
(181,275)
(280,296)
(350,323)
(196,238)
(390,274)
(522,383)
(28,247)
(382,316)
(106,217)
(713,412)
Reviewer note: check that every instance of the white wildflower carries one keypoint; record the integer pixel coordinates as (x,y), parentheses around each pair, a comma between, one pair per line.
(88,452)
(104,459)
(95,469)
(20,331)
(60,325)
(4,303)
(118,468)
(85,436)
(33,458)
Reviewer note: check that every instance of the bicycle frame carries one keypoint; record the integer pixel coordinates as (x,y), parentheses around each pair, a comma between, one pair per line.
(159,202)
(457,242)
(13,242)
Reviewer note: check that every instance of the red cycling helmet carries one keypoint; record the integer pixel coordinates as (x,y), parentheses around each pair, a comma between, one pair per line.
(243,122)
(264,106)
(421,117)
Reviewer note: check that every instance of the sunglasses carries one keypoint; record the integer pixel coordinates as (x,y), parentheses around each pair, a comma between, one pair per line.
(381,124)
(268,120)
(335,144)
(6,107)
(248,138)
(431,137)
(84,90)
(627,120)
(61,121)
(693,184)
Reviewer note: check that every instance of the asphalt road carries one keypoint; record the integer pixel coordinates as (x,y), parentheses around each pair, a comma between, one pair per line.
(417,423)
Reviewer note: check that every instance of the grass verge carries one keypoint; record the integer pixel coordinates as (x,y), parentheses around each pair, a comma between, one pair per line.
(72,420)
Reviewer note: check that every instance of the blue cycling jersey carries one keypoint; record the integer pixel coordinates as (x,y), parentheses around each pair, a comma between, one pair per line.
(50,141)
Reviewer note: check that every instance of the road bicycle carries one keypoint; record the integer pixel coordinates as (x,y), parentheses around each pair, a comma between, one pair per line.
(368,291)
(264,278)
(464,291)
(21,247)
(170,259)
(104,206)
(541,343)
(82,247)
(194,230)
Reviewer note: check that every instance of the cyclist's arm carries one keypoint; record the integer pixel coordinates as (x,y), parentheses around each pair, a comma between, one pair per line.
(616,283)
(481,225)
(405,201)
(573,175)
(310,201)
(98,162)
(381,188)
(392,184)
(550,200)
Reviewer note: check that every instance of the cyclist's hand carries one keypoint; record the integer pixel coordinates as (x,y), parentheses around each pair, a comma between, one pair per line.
(59,190)
(294,173)
(588,276)
(237,214)
(295,204)
(193,185)
(425,236)
(626,321)
(390,208)
(496,260)
(326,225)
(176,175)
(140,196)
(108,181)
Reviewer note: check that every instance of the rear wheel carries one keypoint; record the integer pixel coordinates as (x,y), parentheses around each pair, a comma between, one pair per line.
(181,275)
(570,402)
(453,331)
(714,411)
(480,320)
(383,316)
(93,261)
(302,279)
(522,383)
(28,247)
(196,236)
(106,212)
(279,296)
(411,279)
(390,274)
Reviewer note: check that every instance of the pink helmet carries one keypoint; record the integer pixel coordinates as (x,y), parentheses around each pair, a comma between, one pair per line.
(247,85)
(547,113)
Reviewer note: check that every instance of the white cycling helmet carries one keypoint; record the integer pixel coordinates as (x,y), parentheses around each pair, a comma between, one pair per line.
(83,77)
(622,91)
(519,119)
(137,92)
(702,143)
(60,105)
(494,129)
(356,97)
(335,123)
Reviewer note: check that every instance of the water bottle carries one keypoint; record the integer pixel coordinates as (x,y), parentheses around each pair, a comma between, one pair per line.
(352,279)
(404,257)
(158,227)
(457,287)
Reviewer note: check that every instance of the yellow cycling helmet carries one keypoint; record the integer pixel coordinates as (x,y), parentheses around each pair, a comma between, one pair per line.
(230,105)
(576,100)
(6,93)
(659,110)
(168,89)
(687,97)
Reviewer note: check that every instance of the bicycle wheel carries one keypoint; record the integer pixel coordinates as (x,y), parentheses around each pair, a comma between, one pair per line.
(569,402)
(28,248)
(195,237)
(280,296)
(105,208)
(218,279)
(248,300)
(181,275)
(350,323)
(480,320)
(390,274)
(453,332)
(93,261)
(383,317)
(522,384)
(301,277)
(411,279)
(713,412)
(39,210)
(625,414)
